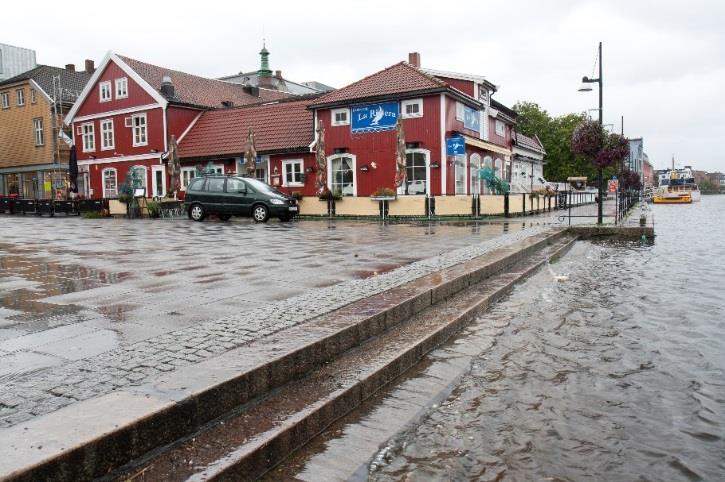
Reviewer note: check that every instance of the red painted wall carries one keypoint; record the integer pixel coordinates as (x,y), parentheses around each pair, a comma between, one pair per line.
(504,140)
(95,173)
(466,86)
(123,136)
(178,119)
(308,161)
(379,147)
(136,95)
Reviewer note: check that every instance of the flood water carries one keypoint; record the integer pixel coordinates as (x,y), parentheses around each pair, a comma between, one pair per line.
(615,371)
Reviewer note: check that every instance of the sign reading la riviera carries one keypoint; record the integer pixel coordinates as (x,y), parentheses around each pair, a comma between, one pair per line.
(374,117)
(471,119)
(455,146)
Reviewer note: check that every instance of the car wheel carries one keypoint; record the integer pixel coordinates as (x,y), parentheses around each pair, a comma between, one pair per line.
(224,217)
(260,213)
(196,212)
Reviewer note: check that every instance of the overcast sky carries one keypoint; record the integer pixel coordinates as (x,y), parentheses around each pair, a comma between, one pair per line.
(664,61)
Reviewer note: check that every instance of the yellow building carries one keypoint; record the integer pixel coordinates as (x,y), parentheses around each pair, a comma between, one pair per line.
(34,147)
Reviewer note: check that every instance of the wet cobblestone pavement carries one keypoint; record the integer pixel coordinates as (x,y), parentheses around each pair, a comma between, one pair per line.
(88,306)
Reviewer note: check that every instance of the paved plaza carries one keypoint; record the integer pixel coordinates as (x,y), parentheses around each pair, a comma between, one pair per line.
(89,306)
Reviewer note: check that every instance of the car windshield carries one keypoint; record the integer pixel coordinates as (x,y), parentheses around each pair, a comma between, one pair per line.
(261,186)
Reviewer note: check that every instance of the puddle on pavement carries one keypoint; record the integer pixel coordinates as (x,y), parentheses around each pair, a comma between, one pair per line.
(376,271)
(41,279)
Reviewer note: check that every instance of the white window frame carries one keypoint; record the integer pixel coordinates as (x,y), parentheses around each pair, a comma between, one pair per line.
(354,170)
(154,184)
(475,161)
(39,133)
(33,98)
(426,153)
(191,174)
(460,112)
(289,162)
(88,134)
(20,97)
(103,181)
(145,185)
(121,83)
(461,164)
(103,88)
(112,144)
(502,130)
(135,126)
(405,103)
(5,100)
(333,114)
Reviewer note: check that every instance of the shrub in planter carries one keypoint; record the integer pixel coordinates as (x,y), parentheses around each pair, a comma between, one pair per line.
(154,209)
(327,194)
(383,192)
(297,195)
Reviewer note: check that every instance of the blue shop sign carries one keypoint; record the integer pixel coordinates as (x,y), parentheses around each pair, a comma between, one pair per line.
(374,117)
(471,119)
(455,146)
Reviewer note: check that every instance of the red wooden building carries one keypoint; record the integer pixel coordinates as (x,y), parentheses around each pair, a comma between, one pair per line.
(435,106)
(283,133)
(127,113)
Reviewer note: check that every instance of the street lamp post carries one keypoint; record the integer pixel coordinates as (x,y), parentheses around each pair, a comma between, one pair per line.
(585,88)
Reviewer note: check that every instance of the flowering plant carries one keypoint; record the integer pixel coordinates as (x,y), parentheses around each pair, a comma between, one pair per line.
(614,151)
(588,139)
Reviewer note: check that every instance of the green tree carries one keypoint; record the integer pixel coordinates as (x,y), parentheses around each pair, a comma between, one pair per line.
(555,134)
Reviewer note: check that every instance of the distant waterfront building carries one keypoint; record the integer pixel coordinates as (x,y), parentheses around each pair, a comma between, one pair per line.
(647,173)
(266,79)
(635,162)
(15,60)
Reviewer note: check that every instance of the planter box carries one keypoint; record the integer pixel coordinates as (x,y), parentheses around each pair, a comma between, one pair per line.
(26,206)
(45,206)
(67,207)
(90,205)
(383,198)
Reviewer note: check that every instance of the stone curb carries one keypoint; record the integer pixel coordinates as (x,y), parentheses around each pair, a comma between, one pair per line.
(108,431)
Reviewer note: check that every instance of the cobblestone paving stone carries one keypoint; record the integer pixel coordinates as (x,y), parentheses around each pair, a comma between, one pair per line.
(48,389)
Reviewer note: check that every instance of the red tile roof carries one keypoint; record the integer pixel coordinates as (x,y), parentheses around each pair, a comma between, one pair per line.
(282,126)
(400,78)
(199,91)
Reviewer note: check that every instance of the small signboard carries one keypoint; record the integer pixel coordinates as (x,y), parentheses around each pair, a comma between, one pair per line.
(374,117)
(613,185)
(455,146)
(471,119)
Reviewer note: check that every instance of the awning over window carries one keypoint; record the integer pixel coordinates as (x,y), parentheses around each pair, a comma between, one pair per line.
(472,141)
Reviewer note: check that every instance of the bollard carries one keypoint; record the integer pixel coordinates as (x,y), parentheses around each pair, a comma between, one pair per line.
(506,205)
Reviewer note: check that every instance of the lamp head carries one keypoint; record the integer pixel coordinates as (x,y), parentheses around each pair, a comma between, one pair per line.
(585,87)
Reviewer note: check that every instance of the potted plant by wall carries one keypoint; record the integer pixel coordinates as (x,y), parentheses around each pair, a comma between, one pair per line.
(297,195)
(154,209)
(330,195)
(383,194)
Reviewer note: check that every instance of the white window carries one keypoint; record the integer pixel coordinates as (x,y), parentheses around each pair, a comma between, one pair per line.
(500,128)
(139,130)
(107,140)
(342,179)
(104,89)
(32,96)
(416,172)
(6,100)
(110,183)
(460,174)
(475,175)
(460,112)
(340,117)
(187,174)
(139,177)
(412,108)
(89,138)
(20,93)
(38,128)
(292,173)
(121,88)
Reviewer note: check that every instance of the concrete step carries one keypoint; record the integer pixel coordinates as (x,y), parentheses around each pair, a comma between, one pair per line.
(254,438)
(91,438)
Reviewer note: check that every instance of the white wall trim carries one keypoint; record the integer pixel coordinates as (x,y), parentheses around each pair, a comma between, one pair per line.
(354,170)
(111,160)
(444,157)
(287,162)
(128,110)
(38,88)
(186,131)
(154,170)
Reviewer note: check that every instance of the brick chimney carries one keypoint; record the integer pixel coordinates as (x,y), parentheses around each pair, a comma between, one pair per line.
(278,74)
(70,67)
(90,67)
(414,59)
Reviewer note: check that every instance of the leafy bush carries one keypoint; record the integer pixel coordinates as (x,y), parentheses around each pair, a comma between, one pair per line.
(297,195)
(327,194)
(384,192)
(154,209)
